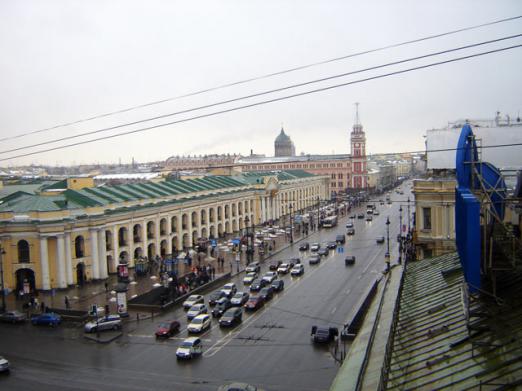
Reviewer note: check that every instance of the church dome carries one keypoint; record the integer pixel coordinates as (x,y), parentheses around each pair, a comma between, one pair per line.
(283,145)
(283,137)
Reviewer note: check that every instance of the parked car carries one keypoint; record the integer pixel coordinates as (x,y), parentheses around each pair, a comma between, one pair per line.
(254,303)
(12,317)
(267,293)
(349,224)
(278,285)
(349,260)
(341,239)
(315,247)
(297,270)
(360,216)
(108,322)
(304,246)
(47,318)
(190,348)
(229,289)
(233,316)
(369,218)
(247,280)
(214,297)
(4,364)
(350,231)
(332,245)
(323,251)
(324,334)
(274,265)
(314,259)
(253,267)
(199,323)
(257,284)
(269,277)
(239,298)
(167,329)
(284,268)
(195,310)
(380,240)
(193,299)
(222,305)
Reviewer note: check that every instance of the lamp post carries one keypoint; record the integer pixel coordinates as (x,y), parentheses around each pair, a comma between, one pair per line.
(318,211)
(409,227)
(2,252)
(387,255)
(290,207)
(400,233)
(249,241)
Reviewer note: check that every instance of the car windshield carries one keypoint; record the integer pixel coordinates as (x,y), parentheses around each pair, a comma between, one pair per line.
(238,295)
(197,320)
(186,344)
(193,298)
(164,325)
(196,307)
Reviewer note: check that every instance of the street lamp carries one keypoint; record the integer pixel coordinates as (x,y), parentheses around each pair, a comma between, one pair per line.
(2,253)
(409,227)
(249,241)
(400,233)
(387,255)
(290,207)
(318,210)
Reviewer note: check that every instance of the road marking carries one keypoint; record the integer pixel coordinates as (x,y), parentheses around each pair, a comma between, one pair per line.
(335,308)
(348,291)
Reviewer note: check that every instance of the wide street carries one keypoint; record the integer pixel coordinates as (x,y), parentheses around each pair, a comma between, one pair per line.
(271,348)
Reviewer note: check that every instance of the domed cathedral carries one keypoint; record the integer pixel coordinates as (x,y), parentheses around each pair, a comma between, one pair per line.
(358,152)
(283,145)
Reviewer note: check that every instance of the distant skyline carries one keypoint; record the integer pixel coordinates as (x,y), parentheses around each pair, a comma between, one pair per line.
(65,61)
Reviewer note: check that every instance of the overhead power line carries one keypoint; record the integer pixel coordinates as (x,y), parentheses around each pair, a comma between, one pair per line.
(237,108)
(261,77)
(267,92)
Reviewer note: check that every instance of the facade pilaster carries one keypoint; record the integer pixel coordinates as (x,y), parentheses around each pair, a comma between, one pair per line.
(44,263)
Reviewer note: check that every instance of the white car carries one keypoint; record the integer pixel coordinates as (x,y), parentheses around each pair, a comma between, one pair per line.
(349,224)
(229,289)
(239,298)
(195,310)
(315,247)
(190,348)
(297,270)
(199,323)
(193,299)
(109,322)
(249,278)
(376,213)
(283,268)
(269,277)
(4,364)
(253,267)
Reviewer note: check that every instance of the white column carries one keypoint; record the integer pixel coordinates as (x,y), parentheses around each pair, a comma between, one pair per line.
(60,247)
(263,209)
(95,263)
(115,252)
(68,259)
(169,227)
(102,251)
(157,235)
(44,262)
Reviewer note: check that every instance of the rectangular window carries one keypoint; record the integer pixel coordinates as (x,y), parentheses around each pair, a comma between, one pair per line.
(333,184)
(332,176)
(426,218)
(340,184)
(340,176)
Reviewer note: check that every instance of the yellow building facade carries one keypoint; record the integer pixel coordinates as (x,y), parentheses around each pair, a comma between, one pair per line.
(73,232)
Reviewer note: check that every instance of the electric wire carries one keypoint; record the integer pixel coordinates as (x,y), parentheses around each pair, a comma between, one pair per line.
(267,92)
(256,78)
(259,103)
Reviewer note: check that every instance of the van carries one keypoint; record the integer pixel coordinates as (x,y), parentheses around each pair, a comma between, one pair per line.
(340,239)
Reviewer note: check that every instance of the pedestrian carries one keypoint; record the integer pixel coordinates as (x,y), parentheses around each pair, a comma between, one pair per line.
(106,286)
(42,307)
(67,304)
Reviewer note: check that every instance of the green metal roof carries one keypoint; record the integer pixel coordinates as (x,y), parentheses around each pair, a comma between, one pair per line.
(30,203)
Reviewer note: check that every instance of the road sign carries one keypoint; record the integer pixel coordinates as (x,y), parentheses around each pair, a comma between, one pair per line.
(340,249)
(213,243)
(236,241)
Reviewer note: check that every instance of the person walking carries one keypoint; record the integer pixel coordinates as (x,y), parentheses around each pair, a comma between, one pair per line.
(67,304)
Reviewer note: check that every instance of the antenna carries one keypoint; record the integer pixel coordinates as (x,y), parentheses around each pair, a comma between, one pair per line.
(357,113)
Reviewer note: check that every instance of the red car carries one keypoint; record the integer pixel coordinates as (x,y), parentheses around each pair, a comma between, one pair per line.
(254,303)
(167,329)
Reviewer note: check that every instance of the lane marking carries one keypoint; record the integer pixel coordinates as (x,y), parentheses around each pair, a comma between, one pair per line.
(334,309)
(348,291)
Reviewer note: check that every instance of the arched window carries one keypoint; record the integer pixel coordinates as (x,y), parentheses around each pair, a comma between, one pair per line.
(23,252)
(79,247)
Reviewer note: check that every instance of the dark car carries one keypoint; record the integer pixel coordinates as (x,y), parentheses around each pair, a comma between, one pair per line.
(380,240)
(349,224)
(323,251)
(257,285)
(267,293)
(278,285)
(293,261)
(340,239)
(360,216)
(254,303)
(349,260)
(215,296)
(350,231)
(167,329)
(324,334)
(233,316)
(274,265)
(239,387)
(332,245)
(304,246)
(48,318)
(369,218)
(12,317)
(222,305)
(314,259)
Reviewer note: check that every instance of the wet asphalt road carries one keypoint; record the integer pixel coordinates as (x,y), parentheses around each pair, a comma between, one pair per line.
(271,348)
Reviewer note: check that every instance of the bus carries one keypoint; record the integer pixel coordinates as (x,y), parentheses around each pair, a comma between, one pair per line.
(330,222)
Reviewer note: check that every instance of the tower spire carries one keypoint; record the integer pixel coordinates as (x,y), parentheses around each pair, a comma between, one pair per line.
(357,113)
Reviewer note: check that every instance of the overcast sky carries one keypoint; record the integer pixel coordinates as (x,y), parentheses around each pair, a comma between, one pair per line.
(62,61)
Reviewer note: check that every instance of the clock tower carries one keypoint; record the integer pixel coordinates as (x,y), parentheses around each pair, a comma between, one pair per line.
(358,151)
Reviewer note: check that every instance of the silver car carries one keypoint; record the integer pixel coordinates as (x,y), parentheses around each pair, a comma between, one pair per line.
(109,322)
